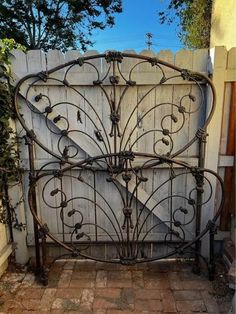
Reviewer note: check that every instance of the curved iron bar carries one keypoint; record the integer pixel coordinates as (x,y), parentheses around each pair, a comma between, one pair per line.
(119,248)
(98,206)
(150,196)
(153,61)
(117,162)
(103,198)
(211,191)
(151,212)
(165,158)
(181,109)
(51,109)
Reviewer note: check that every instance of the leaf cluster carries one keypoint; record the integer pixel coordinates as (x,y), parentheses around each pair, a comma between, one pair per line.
(55,24)
(194,21)
(8,149)
(9,157)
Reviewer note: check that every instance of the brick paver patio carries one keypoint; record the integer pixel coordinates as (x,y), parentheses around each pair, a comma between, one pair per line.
(89,287)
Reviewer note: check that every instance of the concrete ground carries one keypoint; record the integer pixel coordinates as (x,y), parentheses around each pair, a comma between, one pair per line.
(90,287)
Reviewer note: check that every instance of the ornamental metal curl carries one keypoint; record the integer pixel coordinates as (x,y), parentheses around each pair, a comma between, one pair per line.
(100,145)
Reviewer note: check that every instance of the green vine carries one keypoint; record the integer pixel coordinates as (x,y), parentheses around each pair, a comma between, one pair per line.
(9,157)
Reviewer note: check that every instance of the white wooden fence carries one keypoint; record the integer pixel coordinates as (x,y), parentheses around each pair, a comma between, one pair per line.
(219,60)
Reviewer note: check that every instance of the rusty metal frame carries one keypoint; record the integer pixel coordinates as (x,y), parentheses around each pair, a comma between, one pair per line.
(117,160)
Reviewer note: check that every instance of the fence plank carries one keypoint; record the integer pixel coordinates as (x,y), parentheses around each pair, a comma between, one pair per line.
(18,64)
(231,62)
(36,61)
(145,135)
(200,60)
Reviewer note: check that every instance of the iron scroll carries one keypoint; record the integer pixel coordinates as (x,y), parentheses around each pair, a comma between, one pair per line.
(114,156)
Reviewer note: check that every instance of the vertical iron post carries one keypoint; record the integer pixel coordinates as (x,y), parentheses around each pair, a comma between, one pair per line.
(29,143)
(201,134)
(43,275)
(211,265)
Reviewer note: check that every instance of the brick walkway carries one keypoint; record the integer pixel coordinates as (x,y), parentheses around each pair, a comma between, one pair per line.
(89,287)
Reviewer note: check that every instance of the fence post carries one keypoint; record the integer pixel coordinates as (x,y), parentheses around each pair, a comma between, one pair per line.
(218,56)
(16,193)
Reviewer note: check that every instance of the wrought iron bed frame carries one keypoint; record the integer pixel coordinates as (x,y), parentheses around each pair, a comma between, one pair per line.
(117,161)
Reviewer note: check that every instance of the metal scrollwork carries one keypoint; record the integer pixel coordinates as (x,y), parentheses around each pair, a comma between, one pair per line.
(99,169)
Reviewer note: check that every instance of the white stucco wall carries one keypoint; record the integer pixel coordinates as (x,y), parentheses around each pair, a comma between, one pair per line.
(223,32)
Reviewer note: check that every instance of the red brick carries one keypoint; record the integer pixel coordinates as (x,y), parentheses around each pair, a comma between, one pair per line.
(102,303)
(87,299)
(168,302)
(150,312)
(31,304)
(47,299)
(11,305)
(141,305)
(66,304)
(65,278)
(157,284)
(58,265)
(160,266)
(154,305)
(67,293)
(176,285)
(53,284)
(55,276)
(113,311)
(69,265)
(101,279)
(195,285)
(12,311)
(148,305)
(112,266)
(127,296)
(99,311)
(119,283)
(35,312)
(190,312)
(194,306)
(31,293)
(78,274)
(119,275)
(184,295)
(77,312)
(189,275)
(85,265)
(173,275)
(137,278)
(155,275)
(82,283)
(108,292)
(29,280)
(148,294)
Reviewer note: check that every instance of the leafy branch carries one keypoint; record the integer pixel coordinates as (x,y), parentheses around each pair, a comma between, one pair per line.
(193,18)
(10,171)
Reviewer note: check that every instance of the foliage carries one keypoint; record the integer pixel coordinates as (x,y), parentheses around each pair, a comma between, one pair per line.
(194,20)
(6,46)
(55,24)
(9,166)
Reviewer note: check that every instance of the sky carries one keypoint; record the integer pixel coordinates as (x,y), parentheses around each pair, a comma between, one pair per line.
(129,32)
